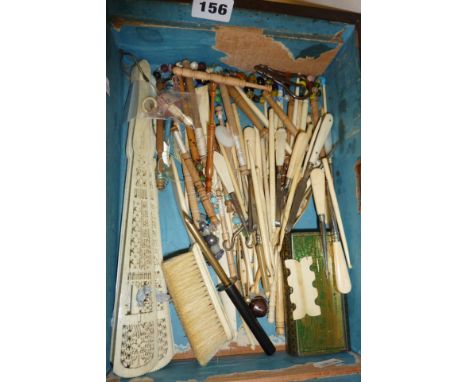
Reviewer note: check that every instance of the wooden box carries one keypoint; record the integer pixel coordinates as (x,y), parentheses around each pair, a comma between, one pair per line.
(286,37)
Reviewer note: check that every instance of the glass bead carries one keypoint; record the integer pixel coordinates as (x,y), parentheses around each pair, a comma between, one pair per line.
(241,76)
(256,98)
(211,240)
(260,80)
(164,68)
(194,65)
(262,100)
(252,78)
(201,66)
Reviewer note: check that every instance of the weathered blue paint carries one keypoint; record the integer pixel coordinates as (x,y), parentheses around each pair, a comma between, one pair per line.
(115,155)
(180,36)
(191,371)
(344,102)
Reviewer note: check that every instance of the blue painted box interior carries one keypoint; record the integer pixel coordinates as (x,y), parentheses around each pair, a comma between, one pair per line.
(166,33)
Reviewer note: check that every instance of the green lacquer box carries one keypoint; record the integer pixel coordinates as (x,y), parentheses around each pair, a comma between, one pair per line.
(321,334)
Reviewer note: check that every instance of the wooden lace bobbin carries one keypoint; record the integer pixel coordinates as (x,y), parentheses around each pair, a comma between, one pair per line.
(281,114)
(247,110)
(217,78)
(192,141)
(253,107)
(195,177)
(336,208)
(191,195)
(197,124)
(210,139)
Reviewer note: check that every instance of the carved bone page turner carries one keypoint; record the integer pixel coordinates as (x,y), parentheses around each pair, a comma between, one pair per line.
(303,293)
(141,317)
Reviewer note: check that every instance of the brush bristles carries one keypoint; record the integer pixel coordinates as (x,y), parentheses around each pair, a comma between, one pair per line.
(194,306)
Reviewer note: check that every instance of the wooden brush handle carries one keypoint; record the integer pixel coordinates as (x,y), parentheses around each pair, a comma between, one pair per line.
(210,140)
(247,110)
(192,141)
(282,116)
(195,177)
(218,78)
